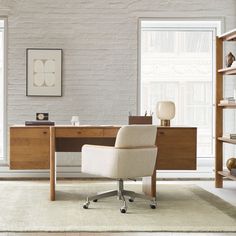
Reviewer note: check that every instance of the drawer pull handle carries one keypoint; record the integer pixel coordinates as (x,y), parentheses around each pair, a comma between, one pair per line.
(161,133)
(45,132)
(79,132)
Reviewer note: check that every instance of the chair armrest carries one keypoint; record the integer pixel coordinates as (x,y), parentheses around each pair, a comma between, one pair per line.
(98,160)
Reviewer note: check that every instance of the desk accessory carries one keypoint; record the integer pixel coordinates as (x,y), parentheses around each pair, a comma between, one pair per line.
(42,116)
(75,120)
(140,120)
(39,122)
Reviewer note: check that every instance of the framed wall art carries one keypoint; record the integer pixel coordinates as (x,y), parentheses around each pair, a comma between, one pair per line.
(44,72)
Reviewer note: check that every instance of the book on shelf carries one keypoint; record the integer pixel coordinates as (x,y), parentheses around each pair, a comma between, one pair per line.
(229,136)
(39,122)
(229,100)
(233,171)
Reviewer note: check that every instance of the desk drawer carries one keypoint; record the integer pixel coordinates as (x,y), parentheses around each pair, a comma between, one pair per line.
(78,132)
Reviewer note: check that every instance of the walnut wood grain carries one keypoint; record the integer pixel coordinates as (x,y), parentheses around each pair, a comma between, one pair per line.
(176,148)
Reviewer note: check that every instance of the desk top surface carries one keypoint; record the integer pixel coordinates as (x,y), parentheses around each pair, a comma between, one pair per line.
(94,126)
(66,126)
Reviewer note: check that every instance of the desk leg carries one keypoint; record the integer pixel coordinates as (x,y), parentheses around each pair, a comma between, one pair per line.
(52,165)
(149,185)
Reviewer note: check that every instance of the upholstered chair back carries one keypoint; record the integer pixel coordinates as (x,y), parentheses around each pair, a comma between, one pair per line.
(131,136)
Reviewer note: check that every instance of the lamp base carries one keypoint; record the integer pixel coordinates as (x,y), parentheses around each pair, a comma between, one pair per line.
(165,122)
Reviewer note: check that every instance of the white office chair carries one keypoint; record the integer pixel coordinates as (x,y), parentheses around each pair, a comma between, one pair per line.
(134,155)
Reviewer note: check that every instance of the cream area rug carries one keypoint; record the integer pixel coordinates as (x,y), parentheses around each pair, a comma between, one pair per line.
(25,206)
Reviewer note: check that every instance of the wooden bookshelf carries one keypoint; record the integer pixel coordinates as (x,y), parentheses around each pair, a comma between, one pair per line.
(227,175)
(220,74)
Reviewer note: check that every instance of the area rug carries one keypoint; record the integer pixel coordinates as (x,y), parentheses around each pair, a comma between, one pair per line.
(186,208)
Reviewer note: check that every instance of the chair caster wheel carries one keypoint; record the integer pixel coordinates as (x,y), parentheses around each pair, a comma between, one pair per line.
(122,210)
(131,200)
(85,206)
(153,206)
(95,200)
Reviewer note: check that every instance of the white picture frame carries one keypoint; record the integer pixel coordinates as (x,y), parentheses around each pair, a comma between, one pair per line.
(44,72)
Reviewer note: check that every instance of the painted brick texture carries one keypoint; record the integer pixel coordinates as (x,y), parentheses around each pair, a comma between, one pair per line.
(99,39)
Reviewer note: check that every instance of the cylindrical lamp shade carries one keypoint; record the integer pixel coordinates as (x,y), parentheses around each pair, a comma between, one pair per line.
(165,111)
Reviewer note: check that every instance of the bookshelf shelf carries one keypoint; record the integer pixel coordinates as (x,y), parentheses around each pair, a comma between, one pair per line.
(227,175)
(227,105)
(228,36)
(228,71)
(227,140)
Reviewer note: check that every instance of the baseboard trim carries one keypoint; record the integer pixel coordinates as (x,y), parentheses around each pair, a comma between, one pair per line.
(203,171)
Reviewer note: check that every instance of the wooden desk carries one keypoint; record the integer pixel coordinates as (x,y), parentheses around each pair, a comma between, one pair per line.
(34,147)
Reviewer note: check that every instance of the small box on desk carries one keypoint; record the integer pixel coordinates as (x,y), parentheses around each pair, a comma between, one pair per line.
(140,120)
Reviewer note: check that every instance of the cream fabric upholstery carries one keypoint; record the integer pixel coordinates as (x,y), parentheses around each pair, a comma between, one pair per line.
(136,136)
(134,154)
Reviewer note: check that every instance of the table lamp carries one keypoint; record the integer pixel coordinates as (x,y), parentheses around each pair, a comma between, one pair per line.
(165,111)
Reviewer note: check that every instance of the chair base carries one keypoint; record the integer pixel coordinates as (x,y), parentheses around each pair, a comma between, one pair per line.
(120,193)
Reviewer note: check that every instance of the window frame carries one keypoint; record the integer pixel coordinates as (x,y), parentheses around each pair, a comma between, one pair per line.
(4,159)
(165,22)
(220,29)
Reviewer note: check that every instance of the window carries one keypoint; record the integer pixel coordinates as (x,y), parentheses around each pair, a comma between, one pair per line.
(2,93)
(177,64)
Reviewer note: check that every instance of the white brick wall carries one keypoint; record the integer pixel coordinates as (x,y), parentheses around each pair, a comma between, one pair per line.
(99,42)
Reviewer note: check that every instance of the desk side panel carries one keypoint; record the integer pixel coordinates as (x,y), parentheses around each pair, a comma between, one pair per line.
(177,148)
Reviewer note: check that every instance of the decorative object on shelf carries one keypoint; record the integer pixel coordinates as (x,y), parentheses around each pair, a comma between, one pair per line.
(231,163)
(230,136)
(228,100)
(233,64)
(44,72)
(42,116)
(233,171)
(165,111)
(75,120)
(230,58)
